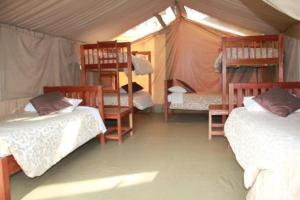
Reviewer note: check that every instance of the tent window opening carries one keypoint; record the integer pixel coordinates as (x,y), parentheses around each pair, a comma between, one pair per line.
(146,28)
(168,15)
(204,19)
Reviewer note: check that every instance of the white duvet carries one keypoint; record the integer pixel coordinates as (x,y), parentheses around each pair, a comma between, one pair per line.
(193,101)
(38,142)
(268,149)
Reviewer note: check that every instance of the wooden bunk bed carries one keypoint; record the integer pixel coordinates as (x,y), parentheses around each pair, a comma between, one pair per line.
(108,80)
(108,59)
(91,96)
(251,51)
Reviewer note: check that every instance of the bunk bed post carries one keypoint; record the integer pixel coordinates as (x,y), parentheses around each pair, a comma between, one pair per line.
(224,71)
(82,68)
(150,76)
(130,94)
(280,58)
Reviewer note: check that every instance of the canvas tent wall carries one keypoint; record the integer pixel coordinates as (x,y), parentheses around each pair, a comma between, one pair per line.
(89,21)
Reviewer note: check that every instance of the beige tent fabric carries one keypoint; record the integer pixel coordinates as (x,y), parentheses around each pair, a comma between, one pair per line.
(289,7)
(292,59)
(86,21)
(253,15)
(30,60)
(91,20)
(191,51)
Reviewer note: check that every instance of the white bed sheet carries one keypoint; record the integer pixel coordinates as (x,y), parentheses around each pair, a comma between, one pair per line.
(268,148)
(194,101)
(38,142)
(141,100)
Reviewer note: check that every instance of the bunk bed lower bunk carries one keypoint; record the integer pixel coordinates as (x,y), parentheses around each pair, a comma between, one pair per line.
(265,145)
(194,101)
(34,143)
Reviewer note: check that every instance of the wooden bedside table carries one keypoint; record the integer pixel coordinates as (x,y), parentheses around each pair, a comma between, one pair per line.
(213,127)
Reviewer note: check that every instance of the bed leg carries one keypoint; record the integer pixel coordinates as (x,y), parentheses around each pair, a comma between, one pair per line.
(131,123)
(101,138)
(166,112)
(119,130)
(4,179)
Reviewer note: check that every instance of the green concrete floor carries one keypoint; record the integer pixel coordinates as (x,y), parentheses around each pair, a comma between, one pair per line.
(162,161)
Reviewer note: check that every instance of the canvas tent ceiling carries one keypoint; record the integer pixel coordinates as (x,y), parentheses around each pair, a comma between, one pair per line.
(93,20)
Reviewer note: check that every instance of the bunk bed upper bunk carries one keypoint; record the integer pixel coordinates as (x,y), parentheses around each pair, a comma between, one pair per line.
(251,51)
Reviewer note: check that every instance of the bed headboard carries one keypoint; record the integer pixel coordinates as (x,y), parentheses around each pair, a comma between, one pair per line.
(91,95)
(237,91)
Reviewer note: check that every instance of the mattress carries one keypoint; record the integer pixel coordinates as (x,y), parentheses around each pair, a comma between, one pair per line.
(193,101)
(38,142)
(267,147)
(141,100)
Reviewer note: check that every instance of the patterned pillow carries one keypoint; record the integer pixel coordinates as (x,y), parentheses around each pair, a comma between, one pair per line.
(278,101)
(49,103)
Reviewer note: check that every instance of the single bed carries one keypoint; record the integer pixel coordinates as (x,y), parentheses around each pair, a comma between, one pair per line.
(265,145)
(198,101)
(35,143)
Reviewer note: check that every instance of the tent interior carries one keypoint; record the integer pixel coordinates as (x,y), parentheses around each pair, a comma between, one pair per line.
(41,43)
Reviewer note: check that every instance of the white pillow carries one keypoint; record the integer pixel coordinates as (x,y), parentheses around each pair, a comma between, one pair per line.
(177,89)
(252,105)
(29,108)
(74,102)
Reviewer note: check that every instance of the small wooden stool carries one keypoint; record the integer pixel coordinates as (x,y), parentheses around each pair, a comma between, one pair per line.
(216,128)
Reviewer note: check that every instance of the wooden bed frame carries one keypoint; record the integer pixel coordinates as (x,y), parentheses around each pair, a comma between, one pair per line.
(166,105)
(108,59)
(91,96)
(267,42)
(237,91)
